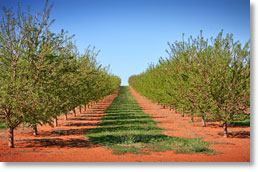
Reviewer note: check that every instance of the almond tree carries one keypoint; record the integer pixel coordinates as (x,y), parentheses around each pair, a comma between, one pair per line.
(228,78)
(208,79)
(26,51)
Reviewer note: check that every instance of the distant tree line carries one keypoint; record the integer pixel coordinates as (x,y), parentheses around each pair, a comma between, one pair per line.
(205,78)
(42,74)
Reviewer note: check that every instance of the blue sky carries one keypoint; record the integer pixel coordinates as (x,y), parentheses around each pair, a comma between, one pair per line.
(134,33)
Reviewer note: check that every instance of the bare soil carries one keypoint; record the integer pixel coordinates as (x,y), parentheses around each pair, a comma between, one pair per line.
(67,143)
(236,148)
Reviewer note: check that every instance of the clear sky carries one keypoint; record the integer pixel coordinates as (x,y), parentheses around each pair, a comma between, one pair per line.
(134,33)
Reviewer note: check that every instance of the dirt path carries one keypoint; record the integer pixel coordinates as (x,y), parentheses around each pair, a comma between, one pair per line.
(233,149)
(67,142)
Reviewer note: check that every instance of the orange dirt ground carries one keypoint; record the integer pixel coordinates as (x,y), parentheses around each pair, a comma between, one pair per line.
(66,143)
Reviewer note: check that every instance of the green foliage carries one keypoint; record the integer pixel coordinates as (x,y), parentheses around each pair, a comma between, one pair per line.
(210,79)
(127,129)
(42,75)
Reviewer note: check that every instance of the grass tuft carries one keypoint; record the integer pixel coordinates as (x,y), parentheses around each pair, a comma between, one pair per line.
(123,149)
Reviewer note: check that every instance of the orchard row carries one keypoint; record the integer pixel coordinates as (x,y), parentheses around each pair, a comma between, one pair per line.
(205,78)
(42,74)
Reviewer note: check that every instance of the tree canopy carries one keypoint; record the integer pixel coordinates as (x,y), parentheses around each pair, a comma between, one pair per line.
(208,78)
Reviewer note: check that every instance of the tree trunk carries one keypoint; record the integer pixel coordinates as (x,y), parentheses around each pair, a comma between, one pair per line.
(10,138)
(203,122)
(164,107)
(80,108)
(74,111)
(85,107)
(35,130)
(66,114)
(56,122)
(192,117)
(183,114)
(225,129)
(170,107)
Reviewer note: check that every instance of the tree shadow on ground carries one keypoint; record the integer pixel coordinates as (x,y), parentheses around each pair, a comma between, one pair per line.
(68,132)
(88,116)
(99,112)
(86,119)
(237,134)
(78,124)
(57,142)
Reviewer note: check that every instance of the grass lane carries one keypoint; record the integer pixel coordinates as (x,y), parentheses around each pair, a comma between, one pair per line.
(3,126)
(127,129)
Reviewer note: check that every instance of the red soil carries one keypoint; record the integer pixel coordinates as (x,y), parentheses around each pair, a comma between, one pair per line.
(236,148)
(66,143)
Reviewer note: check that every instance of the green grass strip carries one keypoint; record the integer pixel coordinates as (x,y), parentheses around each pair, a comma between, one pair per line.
(127,129)
(239,122)
(3,126)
